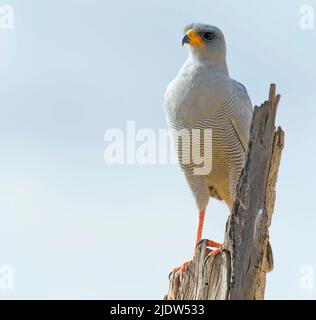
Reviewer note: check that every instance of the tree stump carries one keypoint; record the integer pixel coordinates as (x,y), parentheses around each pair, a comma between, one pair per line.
(239,271)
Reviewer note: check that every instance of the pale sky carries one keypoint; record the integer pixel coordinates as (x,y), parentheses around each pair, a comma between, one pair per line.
(74,227)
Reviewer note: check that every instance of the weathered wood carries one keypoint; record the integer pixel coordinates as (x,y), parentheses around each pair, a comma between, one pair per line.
(239,271)
(207,277)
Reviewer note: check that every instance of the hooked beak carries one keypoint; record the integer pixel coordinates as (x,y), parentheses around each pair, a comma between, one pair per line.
(186,39)
(192,38)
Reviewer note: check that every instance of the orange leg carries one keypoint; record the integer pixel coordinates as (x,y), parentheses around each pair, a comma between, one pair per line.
(216,251)
(210,243)
(214,244)
(199,228)
(182,268)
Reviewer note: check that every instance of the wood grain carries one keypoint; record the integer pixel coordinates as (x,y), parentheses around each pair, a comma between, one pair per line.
(239,271)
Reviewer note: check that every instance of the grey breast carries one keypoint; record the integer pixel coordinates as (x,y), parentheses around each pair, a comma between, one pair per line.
(201,101)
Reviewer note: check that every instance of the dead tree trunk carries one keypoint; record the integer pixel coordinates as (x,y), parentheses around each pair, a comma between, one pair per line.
(239,271)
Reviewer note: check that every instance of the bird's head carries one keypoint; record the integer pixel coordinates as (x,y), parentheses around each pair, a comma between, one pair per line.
(205,42)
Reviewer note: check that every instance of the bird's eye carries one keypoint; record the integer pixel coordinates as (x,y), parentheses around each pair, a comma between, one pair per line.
(208,36)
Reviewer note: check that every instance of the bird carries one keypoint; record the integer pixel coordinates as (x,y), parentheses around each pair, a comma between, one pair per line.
(204,98)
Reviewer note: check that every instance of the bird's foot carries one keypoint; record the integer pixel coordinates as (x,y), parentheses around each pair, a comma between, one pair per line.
(182,268)
(212,244)
(209,243)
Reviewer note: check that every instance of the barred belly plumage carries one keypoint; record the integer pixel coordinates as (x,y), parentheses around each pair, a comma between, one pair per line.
(209,115)
(228,156)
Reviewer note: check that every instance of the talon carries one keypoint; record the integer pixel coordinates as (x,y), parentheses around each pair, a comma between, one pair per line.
(174,270)
(209,243)
(213,244)
(200,242)
(182,268)
(214,253)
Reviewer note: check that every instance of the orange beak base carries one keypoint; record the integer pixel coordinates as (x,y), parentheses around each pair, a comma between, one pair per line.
(192,38)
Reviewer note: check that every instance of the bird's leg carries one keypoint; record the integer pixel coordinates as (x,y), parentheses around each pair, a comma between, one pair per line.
(210,243)
(199,228)
(198,238)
